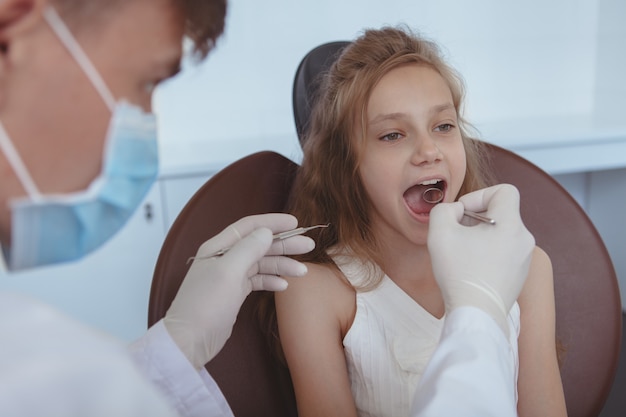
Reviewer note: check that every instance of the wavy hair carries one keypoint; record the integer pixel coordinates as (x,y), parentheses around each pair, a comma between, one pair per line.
(328,188)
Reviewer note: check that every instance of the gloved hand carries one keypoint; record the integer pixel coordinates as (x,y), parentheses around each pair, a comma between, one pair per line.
(484,265)
(203,313)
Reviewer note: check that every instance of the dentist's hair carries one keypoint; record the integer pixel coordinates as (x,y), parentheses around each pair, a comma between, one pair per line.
(328,188)
(204,20)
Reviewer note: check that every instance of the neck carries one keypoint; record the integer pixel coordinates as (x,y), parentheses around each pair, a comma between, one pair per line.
(405,260)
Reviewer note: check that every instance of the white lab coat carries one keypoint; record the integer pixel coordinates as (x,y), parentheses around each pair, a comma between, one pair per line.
(53,366)
(470,373)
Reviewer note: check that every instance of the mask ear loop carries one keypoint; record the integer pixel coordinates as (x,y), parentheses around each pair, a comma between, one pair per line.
(70,43)
(18,165)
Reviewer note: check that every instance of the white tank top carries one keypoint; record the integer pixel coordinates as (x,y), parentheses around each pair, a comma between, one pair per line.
(390,342)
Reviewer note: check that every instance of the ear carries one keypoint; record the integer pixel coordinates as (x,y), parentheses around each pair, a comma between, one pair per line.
(17,15)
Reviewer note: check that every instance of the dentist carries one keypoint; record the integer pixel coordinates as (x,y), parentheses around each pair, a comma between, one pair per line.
(78,154)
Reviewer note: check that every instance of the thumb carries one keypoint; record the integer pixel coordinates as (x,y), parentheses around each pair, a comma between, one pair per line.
(445,214)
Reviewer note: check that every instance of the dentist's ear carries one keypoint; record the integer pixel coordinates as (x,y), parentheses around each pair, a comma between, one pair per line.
(16,17)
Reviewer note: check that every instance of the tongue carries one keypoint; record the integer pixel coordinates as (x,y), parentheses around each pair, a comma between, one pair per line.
(414,199)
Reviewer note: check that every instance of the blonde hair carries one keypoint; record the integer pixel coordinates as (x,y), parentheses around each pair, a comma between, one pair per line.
(328,188)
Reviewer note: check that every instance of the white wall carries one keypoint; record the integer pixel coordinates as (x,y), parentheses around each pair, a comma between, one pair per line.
(521,60)
(610,82)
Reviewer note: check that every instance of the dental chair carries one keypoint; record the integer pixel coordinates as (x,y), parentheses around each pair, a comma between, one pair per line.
(588,316)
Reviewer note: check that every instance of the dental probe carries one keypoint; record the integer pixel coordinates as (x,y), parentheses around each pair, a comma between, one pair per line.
(435,195)
(278,236)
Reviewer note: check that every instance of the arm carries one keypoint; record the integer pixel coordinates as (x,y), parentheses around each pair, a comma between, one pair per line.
(312,318)
(539,383)
(53,365)
(472,366)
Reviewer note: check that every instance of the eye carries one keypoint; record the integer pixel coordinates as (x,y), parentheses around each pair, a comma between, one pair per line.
(444,127)
(390,137)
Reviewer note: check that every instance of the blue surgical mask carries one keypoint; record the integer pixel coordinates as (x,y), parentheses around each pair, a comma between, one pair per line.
(49,229)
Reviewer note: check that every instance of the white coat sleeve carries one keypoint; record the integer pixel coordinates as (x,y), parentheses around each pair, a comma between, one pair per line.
(470,373)
(192,393)
(52,365)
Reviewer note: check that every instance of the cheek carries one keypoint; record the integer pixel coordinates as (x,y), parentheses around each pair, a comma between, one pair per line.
(372,183)
(462,165)
(367,180)
(458,168)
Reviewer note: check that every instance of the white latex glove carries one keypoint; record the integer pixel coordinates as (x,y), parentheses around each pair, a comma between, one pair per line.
(483,265)
(203,313)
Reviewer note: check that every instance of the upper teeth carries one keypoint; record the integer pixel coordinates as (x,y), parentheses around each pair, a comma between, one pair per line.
(430,182)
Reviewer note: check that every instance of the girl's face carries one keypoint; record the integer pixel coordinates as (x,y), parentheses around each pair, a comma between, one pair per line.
(413,143)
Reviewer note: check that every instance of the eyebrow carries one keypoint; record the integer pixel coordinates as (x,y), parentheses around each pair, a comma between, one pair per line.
(440,108)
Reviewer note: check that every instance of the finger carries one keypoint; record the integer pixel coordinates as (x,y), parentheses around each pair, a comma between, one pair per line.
(247,252)
(276,222)
(268,283)
(280,265)
(445,214)
(292,246)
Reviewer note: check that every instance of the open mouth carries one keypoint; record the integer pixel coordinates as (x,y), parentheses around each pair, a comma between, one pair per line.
(422,197)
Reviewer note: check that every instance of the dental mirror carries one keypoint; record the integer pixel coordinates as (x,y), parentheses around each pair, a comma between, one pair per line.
(435,195)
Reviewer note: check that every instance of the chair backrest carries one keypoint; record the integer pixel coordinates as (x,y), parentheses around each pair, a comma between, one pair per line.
(307,80)
(588,307)
(252,380)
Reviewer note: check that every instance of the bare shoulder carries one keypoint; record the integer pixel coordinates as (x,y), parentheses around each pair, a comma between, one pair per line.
(540,259)
(540,282)
(324,281)
(323,291)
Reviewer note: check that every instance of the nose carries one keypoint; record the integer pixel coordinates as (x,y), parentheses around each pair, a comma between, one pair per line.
(426,151)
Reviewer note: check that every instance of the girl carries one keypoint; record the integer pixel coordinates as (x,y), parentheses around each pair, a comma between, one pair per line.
(358,330)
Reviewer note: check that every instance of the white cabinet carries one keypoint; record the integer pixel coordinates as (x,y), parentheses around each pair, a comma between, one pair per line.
(108,289)
(607,210)
(602,194)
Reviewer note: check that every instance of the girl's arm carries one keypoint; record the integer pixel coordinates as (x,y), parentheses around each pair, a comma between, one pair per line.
(313,315)
(539,384)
